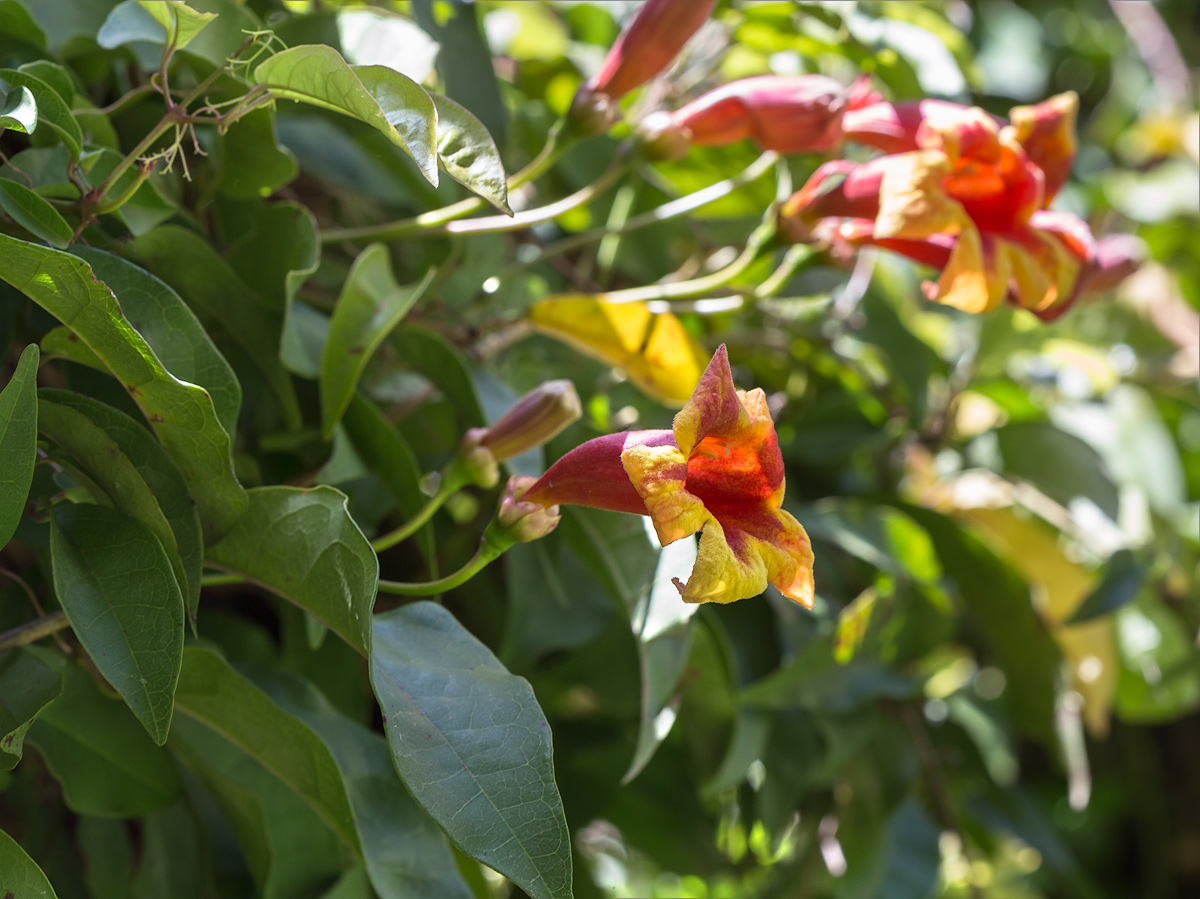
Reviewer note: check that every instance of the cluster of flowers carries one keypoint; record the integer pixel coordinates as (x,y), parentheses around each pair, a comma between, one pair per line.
(957,189)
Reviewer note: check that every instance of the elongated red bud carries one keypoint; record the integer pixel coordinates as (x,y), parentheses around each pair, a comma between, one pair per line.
(785,113)
(653,39)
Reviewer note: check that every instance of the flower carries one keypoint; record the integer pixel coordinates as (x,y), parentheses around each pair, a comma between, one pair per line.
(969,201)
(718,471)
(785,113)
(650,43)
(533,419)
(520,519)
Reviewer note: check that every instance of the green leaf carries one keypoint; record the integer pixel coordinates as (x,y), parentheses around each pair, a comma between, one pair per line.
(52,110)
(171,329)
(369,308)
(107,852)
(155,492)
(54,75)
(27,685)
(116,585)
(16,22)
(211,692)
(749,743)
(469,154)
(208,284)
(382,97)
(999,600)
(405,852)
(465,63)
(1123,578)
(18,111)
(34,214)
(289,849)
(18,441)
(432,355)
(472,745)
(251,163)
(23,879)
(182,415)
(147,208)
(1059,464)
(1159,680)
(179,21)
(99,753)
(173,861)
(303,545)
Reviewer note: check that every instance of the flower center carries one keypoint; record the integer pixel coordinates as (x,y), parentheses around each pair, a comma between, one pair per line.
(727,475)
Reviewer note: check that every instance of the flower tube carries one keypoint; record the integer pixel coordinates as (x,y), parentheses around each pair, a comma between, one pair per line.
(717,471)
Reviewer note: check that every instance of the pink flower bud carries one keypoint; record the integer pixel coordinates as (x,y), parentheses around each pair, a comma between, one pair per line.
(524,521)
(535,418)
(650,44)
(785,113)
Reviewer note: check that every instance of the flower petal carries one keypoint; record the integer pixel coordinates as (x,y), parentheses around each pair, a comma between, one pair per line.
(714,409)
(1047,132)
(659,475)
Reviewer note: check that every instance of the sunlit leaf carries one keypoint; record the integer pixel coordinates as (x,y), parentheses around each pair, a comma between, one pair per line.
(18,441)
(469,154)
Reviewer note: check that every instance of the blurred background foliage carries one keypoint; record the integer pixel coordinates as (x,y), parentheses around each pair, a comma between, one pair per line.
(998,691)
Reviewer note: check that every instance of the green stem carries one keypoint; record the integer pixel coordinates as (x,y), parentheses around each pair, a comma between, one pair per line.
(760,242)
(144,172)
(33,631)
(167,122)
(452,481)
(795,259)
(663,213)
(495,543)
(221,580)
(556,146)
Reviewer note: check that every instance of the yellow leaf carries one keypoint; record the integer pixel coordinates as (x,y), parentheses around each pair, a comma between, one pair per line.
(1060,585)
(655,349)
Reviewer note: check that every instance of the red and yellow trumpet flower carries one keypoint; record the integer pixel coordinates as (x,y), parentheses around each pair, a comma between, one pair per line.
(969,201)
(717,471)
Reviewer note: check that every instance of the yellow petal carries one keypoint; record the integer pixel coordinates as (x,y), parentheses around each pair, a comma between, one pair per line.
(912,202)
(657,352)
(659,475)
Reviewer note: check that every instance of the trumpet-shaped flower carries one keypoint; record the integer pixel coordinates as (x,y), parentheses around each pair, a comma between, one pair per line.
(970,201)
(718,471)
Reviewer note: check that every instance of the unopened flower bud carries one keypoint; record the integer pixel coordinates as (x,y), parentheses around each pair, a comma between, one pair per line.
(524,521)
(653,39)
(785,113)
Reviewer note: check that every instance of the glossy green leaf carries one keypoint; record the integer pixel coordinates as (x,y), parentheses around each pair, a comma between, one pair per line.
(472,746)
(34,214)
(464,62)
(52,110)
(54,75)
(369,308)
(101,756)
(1123,578)
(154,491)
(23,879)
(303,545)
(18,110)
(116,585)
(405,852)
(252,163)
(208,284)
(213,693)
(469,154)
(171,329)
(18,441)
(157,21)
(1059,464)
(182,415)
(180,22)
(382,97)
(27,685)
(288,848)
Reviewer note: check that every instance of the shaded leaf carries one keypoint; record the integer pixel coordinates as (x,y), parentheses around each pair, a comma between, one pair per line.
(405,852)
(34,214)
(173,862)
(1059,464)
(18,441)
(369,308)
(52,110)
(22,877)
(180,22)
(381,97)
(116,585)
(432,355)
(146,208)
(16,22)
(101,756)
(208,284)
(303,545)
(107,852)
(472,745)
(1123,578)
(182,415)
(251,162)
(153,470)
(27,685)
(751,730)
(469,154)
(211,692)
